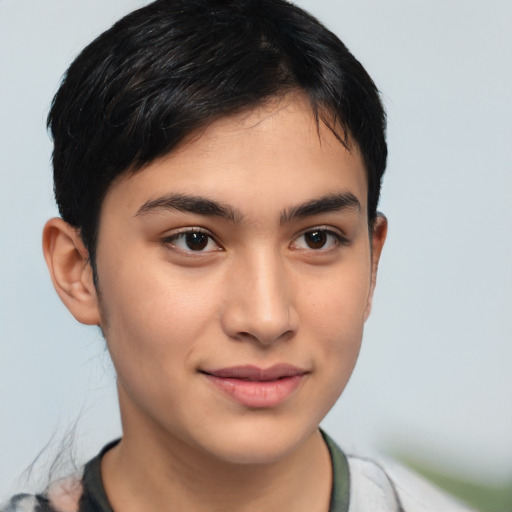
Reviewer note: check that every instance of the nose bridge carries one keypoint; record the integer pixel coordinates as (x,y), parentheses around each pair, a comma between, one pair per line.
(260,307)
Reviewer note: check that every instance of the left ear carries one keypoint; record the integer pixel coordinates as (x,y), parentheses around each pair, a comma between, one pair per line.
(380,230)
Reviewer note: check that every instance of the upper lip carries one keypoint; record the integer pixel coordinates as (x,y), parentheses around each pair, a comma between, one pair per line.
(254,373)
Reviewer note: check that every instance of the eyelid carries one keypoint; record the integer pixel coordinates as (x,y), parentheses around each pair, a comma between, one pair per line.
(168,239)
(341,239)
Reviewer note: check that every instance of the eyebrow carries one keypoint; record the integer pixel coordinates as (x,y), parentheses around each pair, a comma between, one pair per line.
(191,204)
(326,204)
(203,206)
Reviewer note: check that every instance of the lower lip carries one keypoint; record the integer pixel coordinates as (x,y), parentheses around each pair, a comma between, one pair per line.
(258,394)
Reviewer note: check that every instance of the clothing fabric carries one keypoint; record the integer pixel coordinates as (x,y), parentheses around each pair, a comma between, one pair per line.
(359,485)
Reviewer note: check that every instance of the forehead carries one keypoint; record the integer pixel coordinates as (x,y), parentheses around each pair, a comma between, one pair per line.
(270,157)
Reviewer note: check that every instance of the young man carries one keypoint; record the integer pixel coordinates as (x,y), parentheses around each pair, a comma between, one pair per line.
(217,167)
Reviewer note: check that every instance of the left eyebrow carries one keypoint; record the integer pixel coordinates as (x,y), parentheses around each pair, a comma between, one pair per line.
(326,204)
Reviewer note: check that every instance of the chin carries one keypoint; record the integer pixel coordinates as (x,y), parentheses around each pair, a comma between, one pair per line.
(258,443)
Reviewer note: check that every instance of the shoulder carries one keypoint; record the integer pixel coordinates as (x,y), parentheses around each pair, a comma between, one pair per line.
(21,503)
(60,496)
(383,485)
(375,481)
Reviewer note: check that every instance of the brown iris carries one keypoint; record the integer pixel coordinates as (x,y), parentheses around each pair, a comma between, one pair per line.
(316,239)
(196,241)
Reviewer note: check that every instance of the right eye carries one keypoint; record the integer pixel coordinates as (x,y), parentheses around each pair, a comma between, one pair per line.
(192,241)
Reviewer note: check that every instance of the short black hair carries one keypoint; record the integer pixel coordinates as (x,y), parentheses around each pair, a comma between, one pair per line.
(174,66)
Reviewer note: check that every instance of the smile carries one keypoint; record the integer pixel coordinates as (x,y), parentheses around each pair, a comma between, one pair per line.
(256,387)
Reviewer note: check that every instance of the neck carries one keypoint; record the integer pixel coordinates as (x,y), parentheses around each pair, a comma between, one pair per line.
(148,472)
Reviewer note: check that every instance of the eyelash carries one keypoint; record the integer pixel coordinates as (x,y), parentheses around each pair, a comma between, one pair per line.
(171,241)
(338,240)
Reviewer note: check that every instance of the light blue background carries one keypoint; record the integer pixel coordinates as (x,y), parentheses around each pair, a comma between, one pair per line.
(434,375)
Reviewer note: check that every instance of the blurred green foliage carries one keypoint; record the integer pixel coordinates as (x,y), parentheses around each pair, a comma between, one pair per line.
(483,497)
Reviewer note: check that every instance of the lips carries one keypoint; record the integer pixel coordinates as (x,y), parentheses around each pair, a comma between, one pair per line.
(257,387)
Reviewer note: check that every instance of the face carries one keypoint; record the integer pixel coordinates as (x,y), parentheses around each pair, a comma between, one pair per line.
(235,277)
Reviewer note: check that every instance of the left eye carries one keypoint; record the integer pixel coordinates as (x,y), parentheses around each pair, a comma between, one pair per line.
(318,239)
(193,241)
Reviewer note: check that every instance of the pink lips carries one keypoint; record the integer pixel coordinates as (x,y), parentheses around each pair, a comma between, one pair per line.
(257,387)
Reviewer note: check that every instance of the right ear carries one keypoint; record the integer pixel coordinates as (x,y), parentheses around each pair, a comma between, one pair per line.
(70,270)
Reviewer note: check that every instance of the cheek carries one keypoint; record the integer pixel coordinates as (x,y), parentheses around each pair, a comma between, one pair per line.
(336,310)
(152,317)
(333,321)
(339,298)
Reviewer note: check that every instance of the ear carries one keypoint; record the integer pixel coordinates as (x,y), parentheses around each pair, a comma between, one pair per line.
(70,270)
(380,230)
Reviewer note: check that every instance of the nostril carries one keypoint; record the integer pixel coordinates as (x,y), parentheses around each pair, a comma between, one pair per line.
(245,336)
(264,337)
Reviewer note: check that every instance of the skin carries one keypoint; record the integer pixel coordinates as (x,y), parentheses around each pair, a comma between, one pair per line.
(265,287)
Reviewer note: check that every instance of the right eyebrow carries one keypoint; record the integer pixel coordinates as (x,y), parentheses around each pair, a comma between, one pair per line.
(191,204)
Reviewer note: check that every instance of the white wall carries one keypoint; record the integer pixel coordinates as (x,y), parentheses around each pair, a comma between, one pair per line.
(434,374)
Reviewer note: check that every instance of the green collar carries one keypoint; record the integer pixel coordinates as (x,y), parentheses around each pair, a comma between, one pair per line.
(340,493)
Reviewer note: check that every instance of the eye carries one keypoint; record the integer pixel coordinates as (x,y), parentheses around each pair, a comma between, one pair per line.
(318,239)
(193,240)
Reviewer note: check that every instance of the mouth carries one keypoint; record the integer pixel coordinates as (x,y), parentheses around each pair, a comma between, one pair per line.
(257,387)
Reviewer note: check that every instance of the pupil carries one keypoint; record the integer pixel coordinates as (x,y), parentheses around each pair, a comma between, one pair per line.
(196,241)
(316,239)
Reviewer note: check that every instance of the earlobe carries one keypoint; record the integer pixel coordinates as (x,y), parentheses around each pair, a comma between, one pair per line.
(380,230)
(70,270)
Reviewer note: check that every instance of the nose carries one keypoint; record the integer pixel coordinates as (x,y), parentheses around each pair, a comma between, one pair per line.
(259,304)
